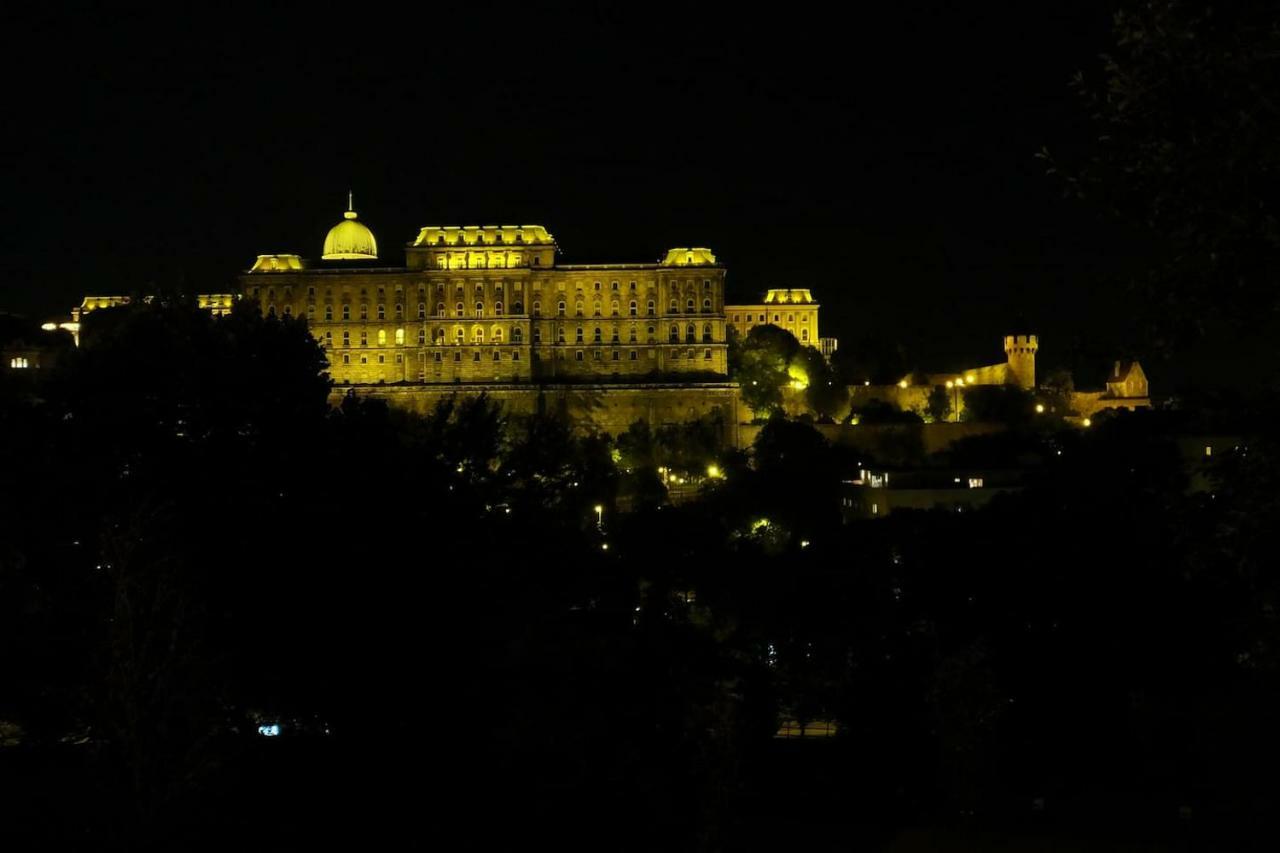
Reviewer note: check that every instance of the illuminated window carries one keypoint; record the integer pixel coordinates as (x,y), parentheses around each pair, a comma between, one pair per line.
(1208,451)
(19,363)
(400,337)
(382,337)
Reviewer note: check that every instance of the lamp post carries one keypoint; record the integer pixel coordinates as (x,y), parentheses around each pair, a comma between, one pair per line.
(599,508)
(955,396)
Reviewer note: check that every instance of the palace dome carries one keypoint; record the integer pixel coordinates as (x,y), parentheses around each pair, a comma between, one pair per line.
(350,240)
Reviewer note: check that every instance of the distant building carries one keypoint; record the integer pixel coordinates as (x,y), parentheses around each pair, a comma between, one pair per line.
(1126,388)
(876,494)
(793,309)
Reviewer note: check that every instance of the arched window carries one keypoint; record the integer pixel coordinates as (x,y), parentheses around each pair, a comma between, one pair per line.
(690,333)
(652,333)
(517,307)
(271,310)
(497,309)
(631,309)
(560,308)
(613,308)
(477,334)
(596,337)
(364,339)
(382,337)
(346,338)
(399,337)
(517,336)
(631,335)
(422,310)
(537,309)
(459,310)
(364,311)
(458,334)
(688,306)
(706,304)
(479,309)
(537,335)
(675,333)
(328,312)
(382,311)
(496,335)
(560,336)
(675,307)
(706,333)
(422,337)
(311,312)
(614,337)
(578,337)
(440,337)
(399,310)
(577,309)
(804,334)
(651,309)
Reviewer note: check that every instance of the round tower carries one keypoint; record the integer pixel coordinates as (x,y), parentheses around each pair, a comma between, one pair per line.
(1021,352)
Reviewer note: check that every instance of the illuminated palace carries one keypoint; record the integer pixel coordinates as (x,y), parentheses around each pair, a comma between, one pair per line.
(491,304)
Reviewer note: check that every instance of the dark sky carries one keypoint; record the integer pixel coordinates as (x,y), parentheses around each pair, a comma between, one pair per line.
(880,154)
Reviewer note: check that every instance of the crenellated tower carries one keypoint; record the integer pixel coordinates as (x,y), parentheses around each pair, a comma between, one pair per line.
(1021,353)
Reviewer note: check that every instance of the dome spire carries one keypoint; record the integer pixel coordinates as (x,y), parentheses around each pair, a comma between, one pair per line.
(350,240)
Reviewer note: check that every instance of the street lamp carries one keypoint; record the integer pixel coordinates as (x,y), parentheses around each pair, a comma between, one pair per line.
(955,396)
(599,508)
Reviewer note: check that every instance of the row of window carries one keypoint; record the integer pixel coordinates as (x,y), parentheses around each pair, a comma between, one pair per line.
(517,335)
(498,310)
(751,318)
(498,289)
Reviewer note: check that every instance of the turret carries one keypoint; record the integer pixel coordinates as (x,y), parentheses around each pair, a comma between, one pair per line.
(1021,352)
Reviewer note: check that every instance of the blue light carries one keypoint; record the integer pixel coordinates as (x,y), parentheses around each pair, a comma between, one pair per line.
(271,730)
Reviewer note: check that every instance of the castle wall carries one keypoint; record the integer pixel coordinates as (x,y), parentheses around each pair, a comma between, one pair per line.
(610,408)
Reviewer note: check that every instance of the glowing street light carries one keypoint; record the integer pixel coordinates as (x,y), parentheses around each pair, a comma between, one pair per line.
(1039,408)
(599,508)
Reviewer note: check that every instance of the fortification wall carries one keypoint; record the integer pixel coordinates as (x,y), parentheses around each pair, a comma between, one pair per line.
(889,443)
(592,408)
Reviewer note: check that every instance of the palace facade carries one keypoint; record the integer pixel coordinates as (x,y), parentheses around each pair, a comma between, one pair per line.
(492,304)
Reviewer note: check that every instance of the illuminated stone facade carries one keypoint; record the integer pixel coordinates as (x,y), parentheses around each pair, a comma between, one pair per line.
(490,304)
(793,309)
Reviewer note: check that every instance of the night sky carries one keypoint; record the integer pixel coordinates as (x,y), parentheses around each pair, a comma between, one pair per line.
(884,158)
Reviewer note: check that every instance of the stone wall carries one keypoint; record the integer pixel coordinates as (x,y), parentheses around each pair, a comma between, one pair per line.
(593,408)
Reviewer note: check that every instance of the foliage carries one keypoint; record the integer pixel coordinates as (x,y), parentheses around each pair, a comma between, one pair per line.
(1185,117)
(1004,404)
(762,361)
(939,404)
